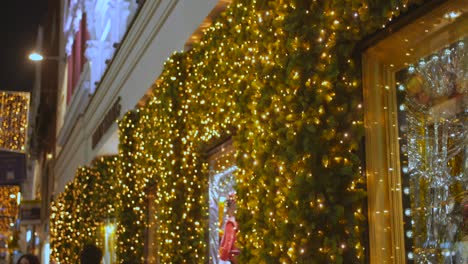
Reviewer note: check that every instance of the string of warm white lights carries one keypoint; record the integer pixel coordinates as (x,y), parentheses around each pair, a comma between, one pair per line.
(280,77)
(14,109)
(81,210)
(8,208)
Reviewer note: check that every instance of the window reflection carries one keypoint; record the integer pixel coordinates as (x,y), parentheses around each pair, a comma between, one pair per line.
(221,183)
(433,127)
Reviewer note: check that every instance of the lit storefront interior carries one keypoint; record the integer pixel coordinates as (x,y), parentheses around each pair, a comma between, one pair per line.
(416,100)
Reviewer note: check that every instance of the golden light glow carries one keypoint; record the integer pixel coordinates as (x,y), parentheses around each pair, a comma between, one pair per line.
(9,208)
(14,110)
(279,78)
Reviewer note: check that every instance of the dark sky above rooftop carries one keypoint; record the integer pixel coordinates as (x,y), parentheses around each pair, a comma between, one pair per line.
(18,30)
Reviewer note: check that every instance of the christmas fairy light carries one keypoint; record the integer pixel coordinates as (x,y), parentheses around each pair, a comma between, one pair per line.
(280,79)
(14,111)
(9,208)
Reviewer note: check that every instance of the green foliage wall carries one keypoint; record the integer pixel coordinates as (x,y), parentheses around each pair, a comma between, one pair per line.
(282,76)
(131,218)
(77,212)
(153,154)
(282,79)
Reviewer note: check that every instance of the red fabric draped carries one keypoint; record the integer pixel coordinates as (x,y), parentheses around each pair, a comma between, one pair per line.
(77,59)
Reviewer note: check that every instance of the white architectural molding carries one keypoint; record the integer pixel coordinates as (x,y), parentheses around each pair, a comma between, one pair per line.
(71,157)
(160,29)
(146,26)
(97,52)
(73,14)
(77,105)
(107,22)
(120,12)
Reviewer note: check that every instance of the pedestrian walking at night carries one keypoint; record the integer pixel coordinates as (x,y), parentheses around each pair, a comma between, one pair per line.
(91,254)
(28,259)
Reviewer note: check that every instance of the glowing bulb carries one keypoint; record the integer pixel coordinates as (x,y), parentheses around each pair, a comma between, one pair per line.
(407,212)
(452,15)
(36,56)
(409,234)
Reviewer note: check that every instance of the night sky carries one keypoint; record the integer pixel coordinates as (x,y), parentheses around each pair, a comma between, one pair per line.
(18,26)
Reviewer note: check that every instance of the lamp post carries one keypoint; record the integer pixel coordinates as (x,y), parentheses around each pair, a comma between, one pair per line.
(35,56)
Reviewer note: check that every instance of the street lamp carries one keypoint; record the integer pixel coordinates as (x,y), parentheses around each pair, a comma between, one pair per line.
(35,56)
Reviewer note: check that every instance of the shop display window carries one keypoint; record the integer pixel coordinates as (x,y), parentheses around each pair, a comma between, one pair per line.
(221,162)
(432,99)
(415,85)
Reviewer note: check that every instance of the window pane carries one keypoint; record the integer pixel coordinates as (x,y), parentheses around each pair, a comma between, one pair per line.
(433,127)
(221,184)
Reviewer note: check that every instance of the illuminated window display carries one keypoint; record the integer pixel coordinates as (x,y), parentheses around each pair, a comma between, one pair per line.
(221,188)
(416,100)
(433,123)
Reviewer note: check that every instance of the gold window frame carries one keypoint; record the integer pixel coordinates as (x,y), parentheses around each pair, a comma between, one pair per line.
(432,31)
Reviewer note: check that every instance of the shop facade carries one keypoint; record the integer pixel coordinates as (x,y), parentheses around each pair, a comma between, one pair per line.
(321,132)
(415,141)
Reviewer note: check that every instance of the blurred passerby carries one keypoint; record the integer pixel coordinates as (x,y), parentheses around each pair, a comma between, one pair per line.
(28,259)
(91,254)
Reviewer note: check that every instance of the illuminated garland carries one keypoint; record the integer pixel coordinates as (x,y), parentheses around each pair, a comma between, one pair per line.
(280,77)
(77,212)
(269,70)
(8,208)
(151,140)
(14,110)
(181,184)
(131,214)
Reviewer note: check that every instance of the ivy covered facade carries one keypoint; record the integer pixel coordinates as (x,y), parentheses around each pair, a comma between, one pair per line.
(283,80)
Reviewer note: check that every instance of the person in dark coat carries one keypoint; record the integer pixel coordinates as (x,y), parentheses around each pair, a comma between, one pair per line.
(91,254)
(28,259)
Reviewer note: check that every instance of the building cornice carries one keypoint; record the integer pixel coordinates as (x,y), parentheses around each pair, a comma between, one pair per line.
(72,155)
(79,99)
(146,26)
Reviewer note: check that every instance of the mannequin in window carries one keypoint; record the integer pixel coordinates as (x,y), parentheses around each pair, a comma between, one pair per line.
(227,250)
